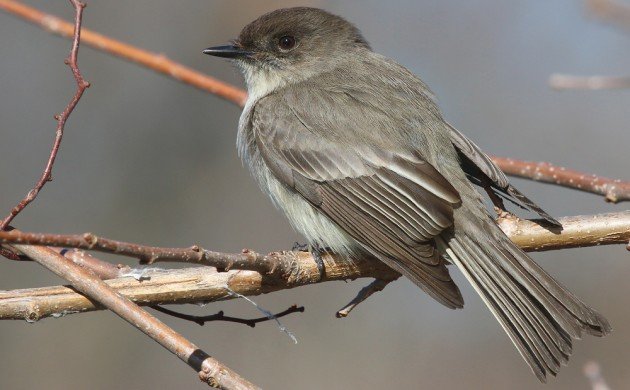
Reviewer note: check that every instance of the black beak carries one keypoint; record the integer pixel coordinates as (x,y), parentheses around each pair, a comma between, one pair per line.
(228,51)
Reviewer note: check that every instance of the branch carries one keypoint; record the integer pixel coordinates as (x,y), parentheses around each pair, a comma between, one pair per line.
(610,11)
(580,231)
(577,232)
(210,370)
(613,190)
(189,285)
(220,316)
(71,61)
(366,292)
(156,62)
(206,284)
(561,81)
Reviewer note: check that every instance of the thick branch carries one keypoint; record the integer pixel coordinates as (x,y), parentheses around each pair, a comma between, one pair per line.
(155,286)
(191,285)
(210,370)
(578,232)
(613,190)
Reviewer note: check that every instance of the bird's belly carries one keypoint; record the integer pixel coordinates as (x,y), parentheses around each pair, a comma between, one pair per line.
(316,227)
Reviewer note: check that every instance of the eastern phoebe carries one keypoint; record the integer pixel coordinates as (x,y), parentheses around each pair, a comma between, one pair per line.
(354,150)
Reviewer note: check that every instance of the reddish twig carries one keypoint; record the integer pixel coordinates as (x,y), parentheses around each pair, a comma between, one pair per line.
(71,61)
(89,283)
(220,316)
(580,231)
(246,260)
(613,190)
(156,62)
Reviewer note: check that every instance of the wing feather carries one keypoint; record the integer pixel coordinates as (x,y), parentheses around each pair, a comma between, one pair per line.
(392,203)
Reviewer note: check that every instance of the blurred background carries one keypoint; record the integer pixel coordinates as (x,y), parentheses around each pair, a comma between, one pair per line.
(150,160)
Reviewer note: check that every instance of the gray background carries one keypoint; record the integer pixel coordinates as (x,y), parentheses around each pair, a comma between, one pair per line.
(150,160)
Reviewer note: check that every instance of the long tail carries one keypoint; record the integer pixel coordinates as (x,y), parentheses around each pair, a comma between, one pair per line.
(540,316)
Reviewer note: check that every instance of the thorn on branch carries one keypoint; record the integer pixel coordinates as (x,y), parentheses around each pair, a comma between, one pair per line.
(220,316)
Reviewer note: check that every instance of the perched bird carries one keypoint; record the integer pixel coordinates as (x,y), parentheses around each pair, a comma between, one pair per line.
(354,150)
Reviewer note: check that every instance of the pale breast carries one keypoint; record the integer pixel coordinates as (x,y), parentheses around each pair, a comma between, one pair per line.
(303,217)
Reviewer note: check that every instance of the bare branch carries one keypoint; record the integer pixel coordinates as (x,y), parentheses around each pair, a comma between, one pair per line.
(210,370)
(190,285)
(593,373)
(613,190)
(75,32)
(578,232)
(205,284)
(562,81)
(610,11)
(156,62)
(366,292)
(220,316)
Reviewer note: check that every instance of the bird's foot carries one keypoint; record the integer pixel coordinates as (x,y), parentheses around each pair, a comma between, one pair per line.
(297,247)
(316,251)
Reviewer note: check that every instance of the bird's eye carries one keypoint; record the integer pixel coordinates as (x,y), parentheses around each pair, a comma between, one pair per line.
(287,42)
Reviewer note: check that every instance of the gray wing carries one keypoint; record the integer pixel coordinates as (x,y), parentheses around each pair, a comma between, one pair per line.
(482,171)
(394,204)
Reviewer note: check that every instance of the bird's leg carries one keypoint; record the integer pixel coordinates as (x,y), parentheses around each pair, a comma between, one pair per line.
(499,206)
(317,252)
(297,247)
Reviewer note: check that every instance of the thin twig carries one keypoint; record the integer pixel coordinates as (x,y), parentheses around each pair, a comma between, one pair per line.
(150,60)
(366,292)
(156,62)
(562,81)
(246,260)
(611,12)
(71,61)
(220,316)
(593,373)
(613,190)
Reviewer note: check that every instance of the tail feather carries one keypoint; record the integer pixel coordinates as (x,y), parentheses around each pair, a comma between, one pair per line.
(539,315)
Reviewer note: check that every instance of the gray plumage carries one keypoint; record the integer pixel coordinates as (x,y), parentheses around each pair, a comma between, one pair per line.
(352,147)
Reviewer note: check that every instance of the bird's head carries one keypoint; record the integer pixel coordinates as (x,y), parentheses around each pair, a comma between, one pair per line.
(289,45)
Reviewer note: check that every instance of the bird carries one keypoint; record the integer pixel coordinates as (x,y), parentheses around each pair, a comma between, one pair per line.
(353,148)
